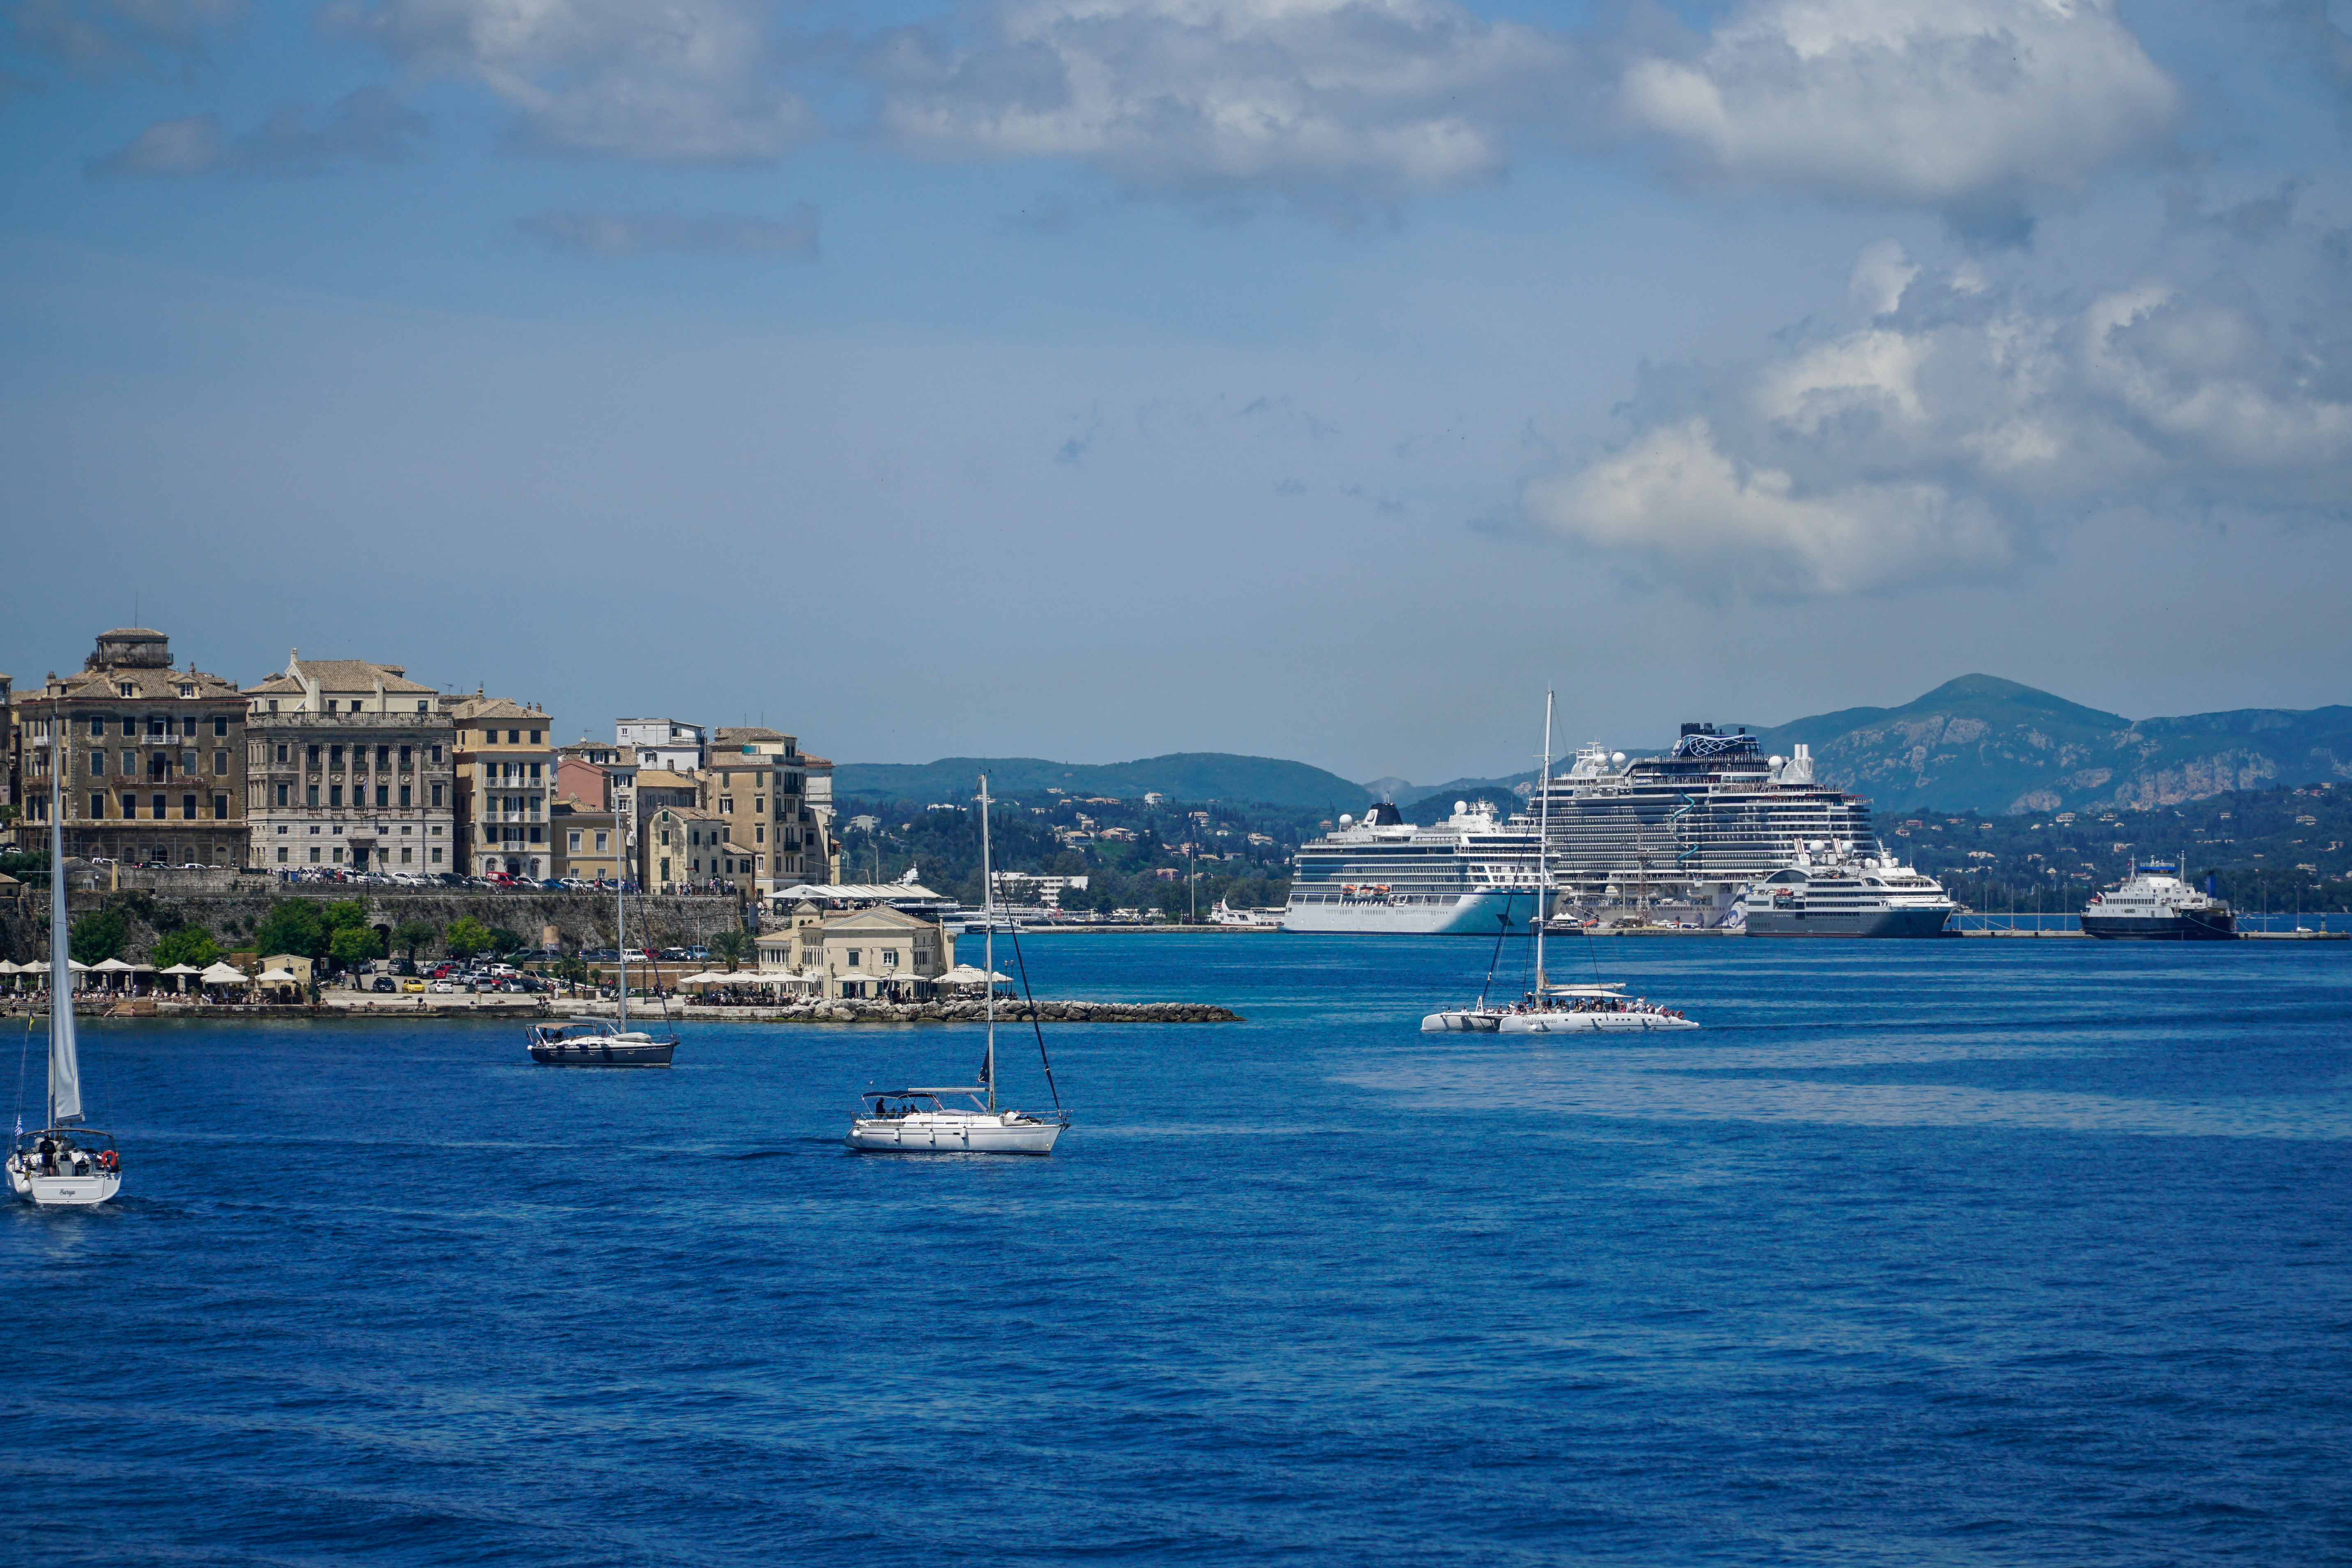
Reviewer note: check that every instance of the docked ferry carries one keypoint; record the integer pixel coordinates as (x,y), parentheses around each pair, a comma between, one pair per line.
(2155,905)
(1832,892)
(1471,872)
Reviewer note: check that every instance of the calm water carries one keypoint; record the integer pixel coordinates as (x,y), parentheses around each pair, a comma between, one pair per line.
(1954,1253)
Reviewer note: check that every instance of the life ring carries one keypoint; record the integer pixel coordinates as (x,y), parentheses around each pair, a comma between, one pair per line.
(106,1159)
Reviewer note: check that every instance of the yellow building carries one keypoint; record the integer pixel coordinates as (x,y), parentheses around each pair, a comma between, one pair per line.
(505,785)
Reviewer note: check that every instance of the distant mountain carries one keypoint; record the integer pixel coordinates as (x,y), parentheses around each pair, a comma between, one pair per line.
(1185,775)
(1983,744)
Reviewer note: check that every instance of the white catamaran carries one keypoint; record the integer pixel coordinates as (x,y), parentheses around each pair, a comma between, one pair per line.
(64,1163)
(920,1122)
(1552,1009)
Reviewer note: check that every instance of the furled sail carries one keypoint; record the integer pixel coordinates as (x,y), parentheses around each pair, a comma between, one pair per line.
(65,1061)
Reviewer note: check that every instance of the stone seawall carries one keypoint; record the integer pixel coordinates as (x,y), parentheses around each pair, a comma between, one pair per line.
(580,920)
(342,1006)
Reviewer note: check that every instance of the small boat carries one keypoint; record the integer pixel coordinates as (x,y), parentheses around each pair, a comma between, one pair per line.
(605,1042)
(64,1164)
(920,1121)
(597,1043)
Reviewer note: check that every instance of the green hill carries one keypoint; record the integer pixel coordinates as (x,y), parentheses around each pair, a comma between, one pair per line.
(1984,744)
(1184,775)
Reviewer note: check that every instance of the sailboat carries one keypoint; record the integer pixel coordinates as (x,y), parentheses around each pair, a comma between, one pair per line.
(605,1042)
(921,1120)
(1550,1008)
(64,1163)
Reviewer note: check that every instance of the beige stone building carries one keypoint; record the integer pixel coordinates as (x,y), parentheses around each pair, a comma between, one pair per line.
(505,785)
(350,764)
(757,780)
(154,757)
(587,840)
(856,951)
(680,847)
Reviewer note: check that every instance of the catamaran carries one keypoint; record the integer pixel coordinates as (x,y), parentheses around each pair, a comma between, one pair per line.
(922,1120)
(64,1164)
(1554,1009)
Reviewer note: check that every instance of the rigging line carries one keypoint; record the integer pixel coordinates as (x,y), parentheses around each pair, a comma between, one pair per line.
(1502,930)
(24,1057)
(1022,965)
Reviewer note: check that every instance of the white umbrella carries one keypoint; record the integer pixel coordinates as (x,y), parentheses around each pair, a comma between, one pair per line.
(112,966)
(708,978)
(78,966)
(966,974)
(222,975)
(10,966)
(180,969)
(275,977)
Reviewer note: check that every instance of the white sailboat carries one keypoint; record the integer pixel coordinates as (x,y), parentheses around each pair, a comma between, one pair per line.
(1552,1009)
(605,1042)
(921,1120)
(64,1164)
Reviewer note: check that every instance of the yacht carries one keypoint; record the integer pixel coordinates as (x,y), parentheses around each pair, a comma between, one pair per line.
(1831,890)
(1472,872)
(2155,905)
(921,1120)
(64,1163)
(600,1042)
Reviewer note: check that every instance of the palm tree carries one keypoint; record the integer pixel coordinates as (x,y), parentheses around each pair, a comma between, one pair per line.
(734,946)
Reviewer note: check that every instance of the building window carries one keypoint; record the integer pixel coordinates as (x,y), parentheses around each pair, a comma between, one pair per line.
(314,854)
(281,795)
(220,726)
(97,726)
(314,756)
(514,737)
(437,855)
(281,854)
(188,763)
(335,758)
(281,754)
(126,689)
(405,753)
(534,772)
(384,757)
(407,855)
(312,792)
(759,805)
(760,833)
(334,795)
(437,794)
(404,792)
(97,806)
(726,805)
(534,737)
(98,765)
(538,835)
(187,809)
(853,958)
(339,857)
(162,807)
(220,760)
(384,796)
(220,808)
(130,728)
(436,754)
(572,841)
(603,842)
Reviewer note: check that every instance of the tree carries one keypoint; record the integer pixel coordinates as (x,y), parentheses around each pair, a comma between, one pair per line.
(413,933)
(466,937)
(98,936)
(732,946)
(505,941)
(355,944)
(291,926)
(344,913)
(187,944)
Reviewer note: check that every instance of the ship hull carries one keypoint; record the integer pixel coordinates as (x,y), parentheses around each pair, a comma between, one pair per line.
(1480,913)
(1847,922)
(2161,928)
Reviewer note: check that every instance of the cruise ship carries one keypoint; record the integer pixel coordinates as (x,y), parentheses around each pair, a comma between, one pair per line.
(1686,833)
(1832,892)
(1467,873)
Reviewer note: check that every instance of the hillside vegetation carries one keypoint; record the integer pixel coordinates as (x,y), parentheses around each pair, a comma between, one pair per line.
(1195,776)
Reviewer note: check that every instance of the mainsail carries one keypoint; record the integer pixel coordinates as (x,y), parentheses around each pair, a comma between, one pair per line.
(65,1062)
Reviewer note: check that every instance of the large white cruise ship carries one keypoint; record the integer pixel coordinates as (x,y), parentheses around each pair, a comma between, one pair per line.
(1467,873)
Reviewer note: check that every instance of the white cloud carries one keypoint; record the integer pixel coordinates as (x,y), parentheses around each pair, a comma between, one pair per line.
(672,81)
(1971,107)
(1318,100)
(1959,430)
(366,126)
(696,234)
(104,34)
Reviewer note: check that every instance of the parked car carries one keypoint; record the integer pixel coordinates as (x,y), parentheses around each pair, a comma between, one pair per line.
(444,988)
(385,982)
(412,986)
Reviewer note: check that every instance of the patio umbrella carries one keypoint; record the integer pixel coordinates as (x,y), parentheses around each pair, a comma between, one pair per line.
(275,977)
(966,974)
(223,974)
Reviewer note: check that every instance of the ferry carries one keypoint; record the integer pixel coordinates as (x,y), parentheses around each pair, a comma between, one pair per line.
(2155,905)
(1830,890)
(1471,872)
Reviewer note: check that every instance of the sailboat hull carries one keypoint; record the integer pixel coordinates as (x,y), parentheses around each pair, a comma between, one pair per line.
(1626,1022)
(63,1191)
(950,1133)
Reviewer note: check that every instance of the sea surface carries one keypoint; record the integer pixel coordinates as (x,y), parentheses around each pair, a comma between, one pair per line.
(1950,1253)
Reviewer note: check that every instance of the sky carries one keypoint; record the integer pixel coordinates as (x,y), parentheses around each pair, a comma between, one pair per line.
(1096,379)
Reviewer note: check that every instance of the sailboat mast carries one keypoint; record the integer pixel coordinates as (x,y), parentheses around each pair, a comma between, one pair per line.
(65,1061)
(621,939)
(1543,850)
(987,940)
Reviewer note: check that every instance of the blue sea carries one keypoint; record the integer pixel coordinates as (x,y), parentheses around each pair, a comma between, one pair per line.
(1950,1253)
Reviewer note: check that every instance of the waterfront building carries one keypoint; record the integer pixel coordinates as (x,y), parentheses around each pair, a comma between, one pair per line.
(154,757)
(852,951)
(681,845)
(605,775)
(10,791)
(587,838)
(669,743)
(757,781)
(350,764)
(506,784)
(816,779)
